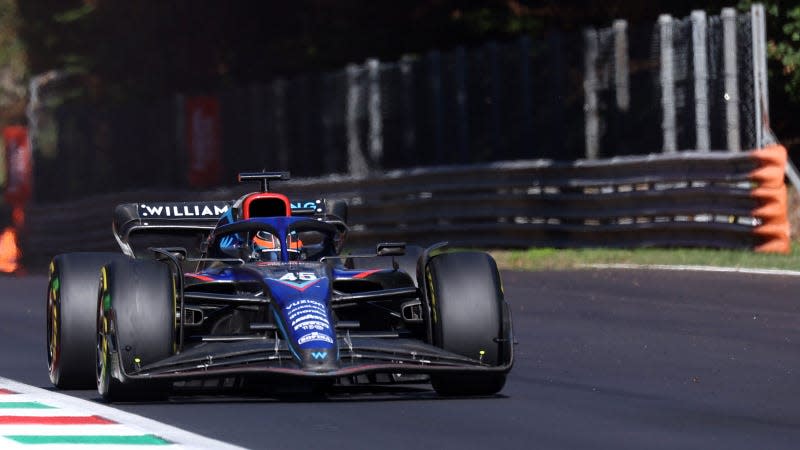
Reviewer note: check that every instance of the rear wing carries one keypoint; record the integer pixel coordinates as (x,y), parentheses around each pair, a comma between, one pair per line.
(189,219)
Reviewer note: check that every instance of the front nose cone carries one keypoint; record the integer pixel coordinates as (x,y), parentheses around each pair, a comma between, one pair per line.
(320,360)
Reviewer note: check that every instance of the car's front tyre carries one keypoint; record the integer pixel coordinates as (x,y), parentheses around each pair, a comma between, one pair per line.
(469,316)
(136,321)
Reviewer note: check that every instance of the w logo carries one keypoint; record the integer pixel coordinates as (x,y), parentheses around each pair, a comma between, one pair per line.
(319,355)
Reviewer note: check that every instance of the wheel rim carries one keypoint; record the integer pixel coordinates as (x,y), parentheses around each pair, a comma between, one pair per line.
(102,374)
(175,321)
(102,349)
(53,344)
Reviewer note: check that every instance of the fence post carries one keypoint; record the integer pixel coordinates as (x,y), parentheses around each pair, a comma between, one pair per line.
(621,66)
(731,79)
(462,122)
(258,139)
(409,121)
(375,115)
(667,84)
(495,105)
(279,115)
(590,86)
(761,95)
(525,96)
(179,105)
(33,110)
(700,63)
(435,61)
(356,163)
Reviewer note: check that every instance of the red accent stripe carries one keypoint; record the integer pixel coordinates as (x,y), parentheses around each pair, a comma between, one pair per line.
(199,277)
(366,273)
(6,392)
(55,420)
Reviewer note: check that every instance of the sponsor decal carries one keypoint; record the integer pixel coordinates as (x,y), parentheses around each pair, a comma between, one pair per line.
(299,280)
(315,336)
(319,355)
(298,276)
(312,325)
(303,306)
(309,317)
(303,205)
(211,210)
(310,311)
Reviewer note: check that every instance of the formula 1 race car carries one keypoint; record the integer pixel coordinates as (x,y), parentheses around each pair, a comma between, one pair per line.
(261,293)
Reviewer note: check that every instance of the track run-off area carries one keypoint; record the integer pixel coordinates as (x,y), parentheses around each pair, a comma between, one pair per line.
(606,358)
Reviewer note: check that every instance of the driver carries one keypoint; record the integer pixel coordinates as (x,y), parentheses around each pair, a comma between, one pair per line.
(267,246)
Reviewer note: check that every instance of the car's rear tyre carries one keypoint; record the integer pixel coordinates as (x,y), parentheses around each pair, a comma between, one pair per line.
(468,317)
(71,302)
(135,327)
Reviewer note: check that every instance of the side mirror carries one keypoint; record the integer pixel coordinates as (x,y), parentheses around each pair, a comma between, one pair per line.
(391,249)
(177,253)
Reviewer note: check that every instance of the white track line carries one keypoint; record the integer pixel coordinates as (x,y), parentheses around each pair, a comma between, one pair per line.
(791,273)
(75,406)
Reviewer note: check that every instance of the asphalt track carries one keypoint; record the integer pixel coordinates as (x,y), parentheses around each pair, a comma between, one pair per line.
(611,359)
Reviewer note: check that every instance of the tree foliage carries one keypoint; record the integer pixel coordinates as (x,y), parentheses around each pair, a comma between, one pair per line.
(783,48)
(784,44)
(13,64)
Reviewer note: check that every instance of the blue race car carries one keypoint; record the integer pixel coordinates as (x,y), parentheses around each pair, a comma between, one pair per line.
(259,294)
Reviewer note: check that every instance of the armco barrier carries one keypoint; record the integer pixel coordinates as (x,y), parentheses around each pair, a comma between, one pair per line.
(719,200)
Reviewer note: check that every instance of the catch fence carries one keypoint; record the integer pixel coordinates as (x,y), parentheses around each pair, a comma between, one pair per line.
(694,83)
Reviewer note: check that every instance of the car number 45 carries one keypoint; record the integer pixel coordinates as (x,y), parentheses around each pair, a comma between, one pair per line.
(301,276)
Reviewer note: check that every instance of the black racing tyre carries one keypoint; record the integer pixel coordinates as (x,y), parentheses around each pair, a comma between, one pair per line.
(71,303)
(136,322)
(469,317)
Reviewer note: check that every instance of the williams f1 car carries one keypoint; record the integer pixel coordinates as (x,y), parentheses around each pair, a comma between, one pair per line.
(259,292)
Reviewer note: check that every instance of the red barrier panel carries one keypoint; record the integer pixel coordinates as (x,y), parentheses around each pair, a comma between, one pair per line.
(19,168)
(18,189)
(203,141)
(772,198)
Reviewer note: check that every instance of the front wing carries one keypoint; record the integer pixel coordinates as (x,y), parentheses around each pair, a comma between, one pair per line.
(266,357)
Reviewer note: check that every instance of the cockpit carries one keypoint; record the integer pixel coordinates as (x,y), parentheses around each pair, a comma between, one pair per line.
(276,239)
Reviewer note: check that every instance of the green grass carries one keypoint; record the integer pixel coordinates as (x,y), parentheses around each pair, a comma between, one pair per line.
(554,259)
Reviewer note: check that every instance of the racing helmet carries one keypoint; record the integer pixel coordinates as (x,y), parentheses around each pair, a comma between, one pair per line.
(267,246)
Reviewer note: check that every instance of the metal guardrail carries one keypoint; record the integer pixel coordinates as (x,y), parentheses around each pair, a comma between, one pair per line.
(720,200)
